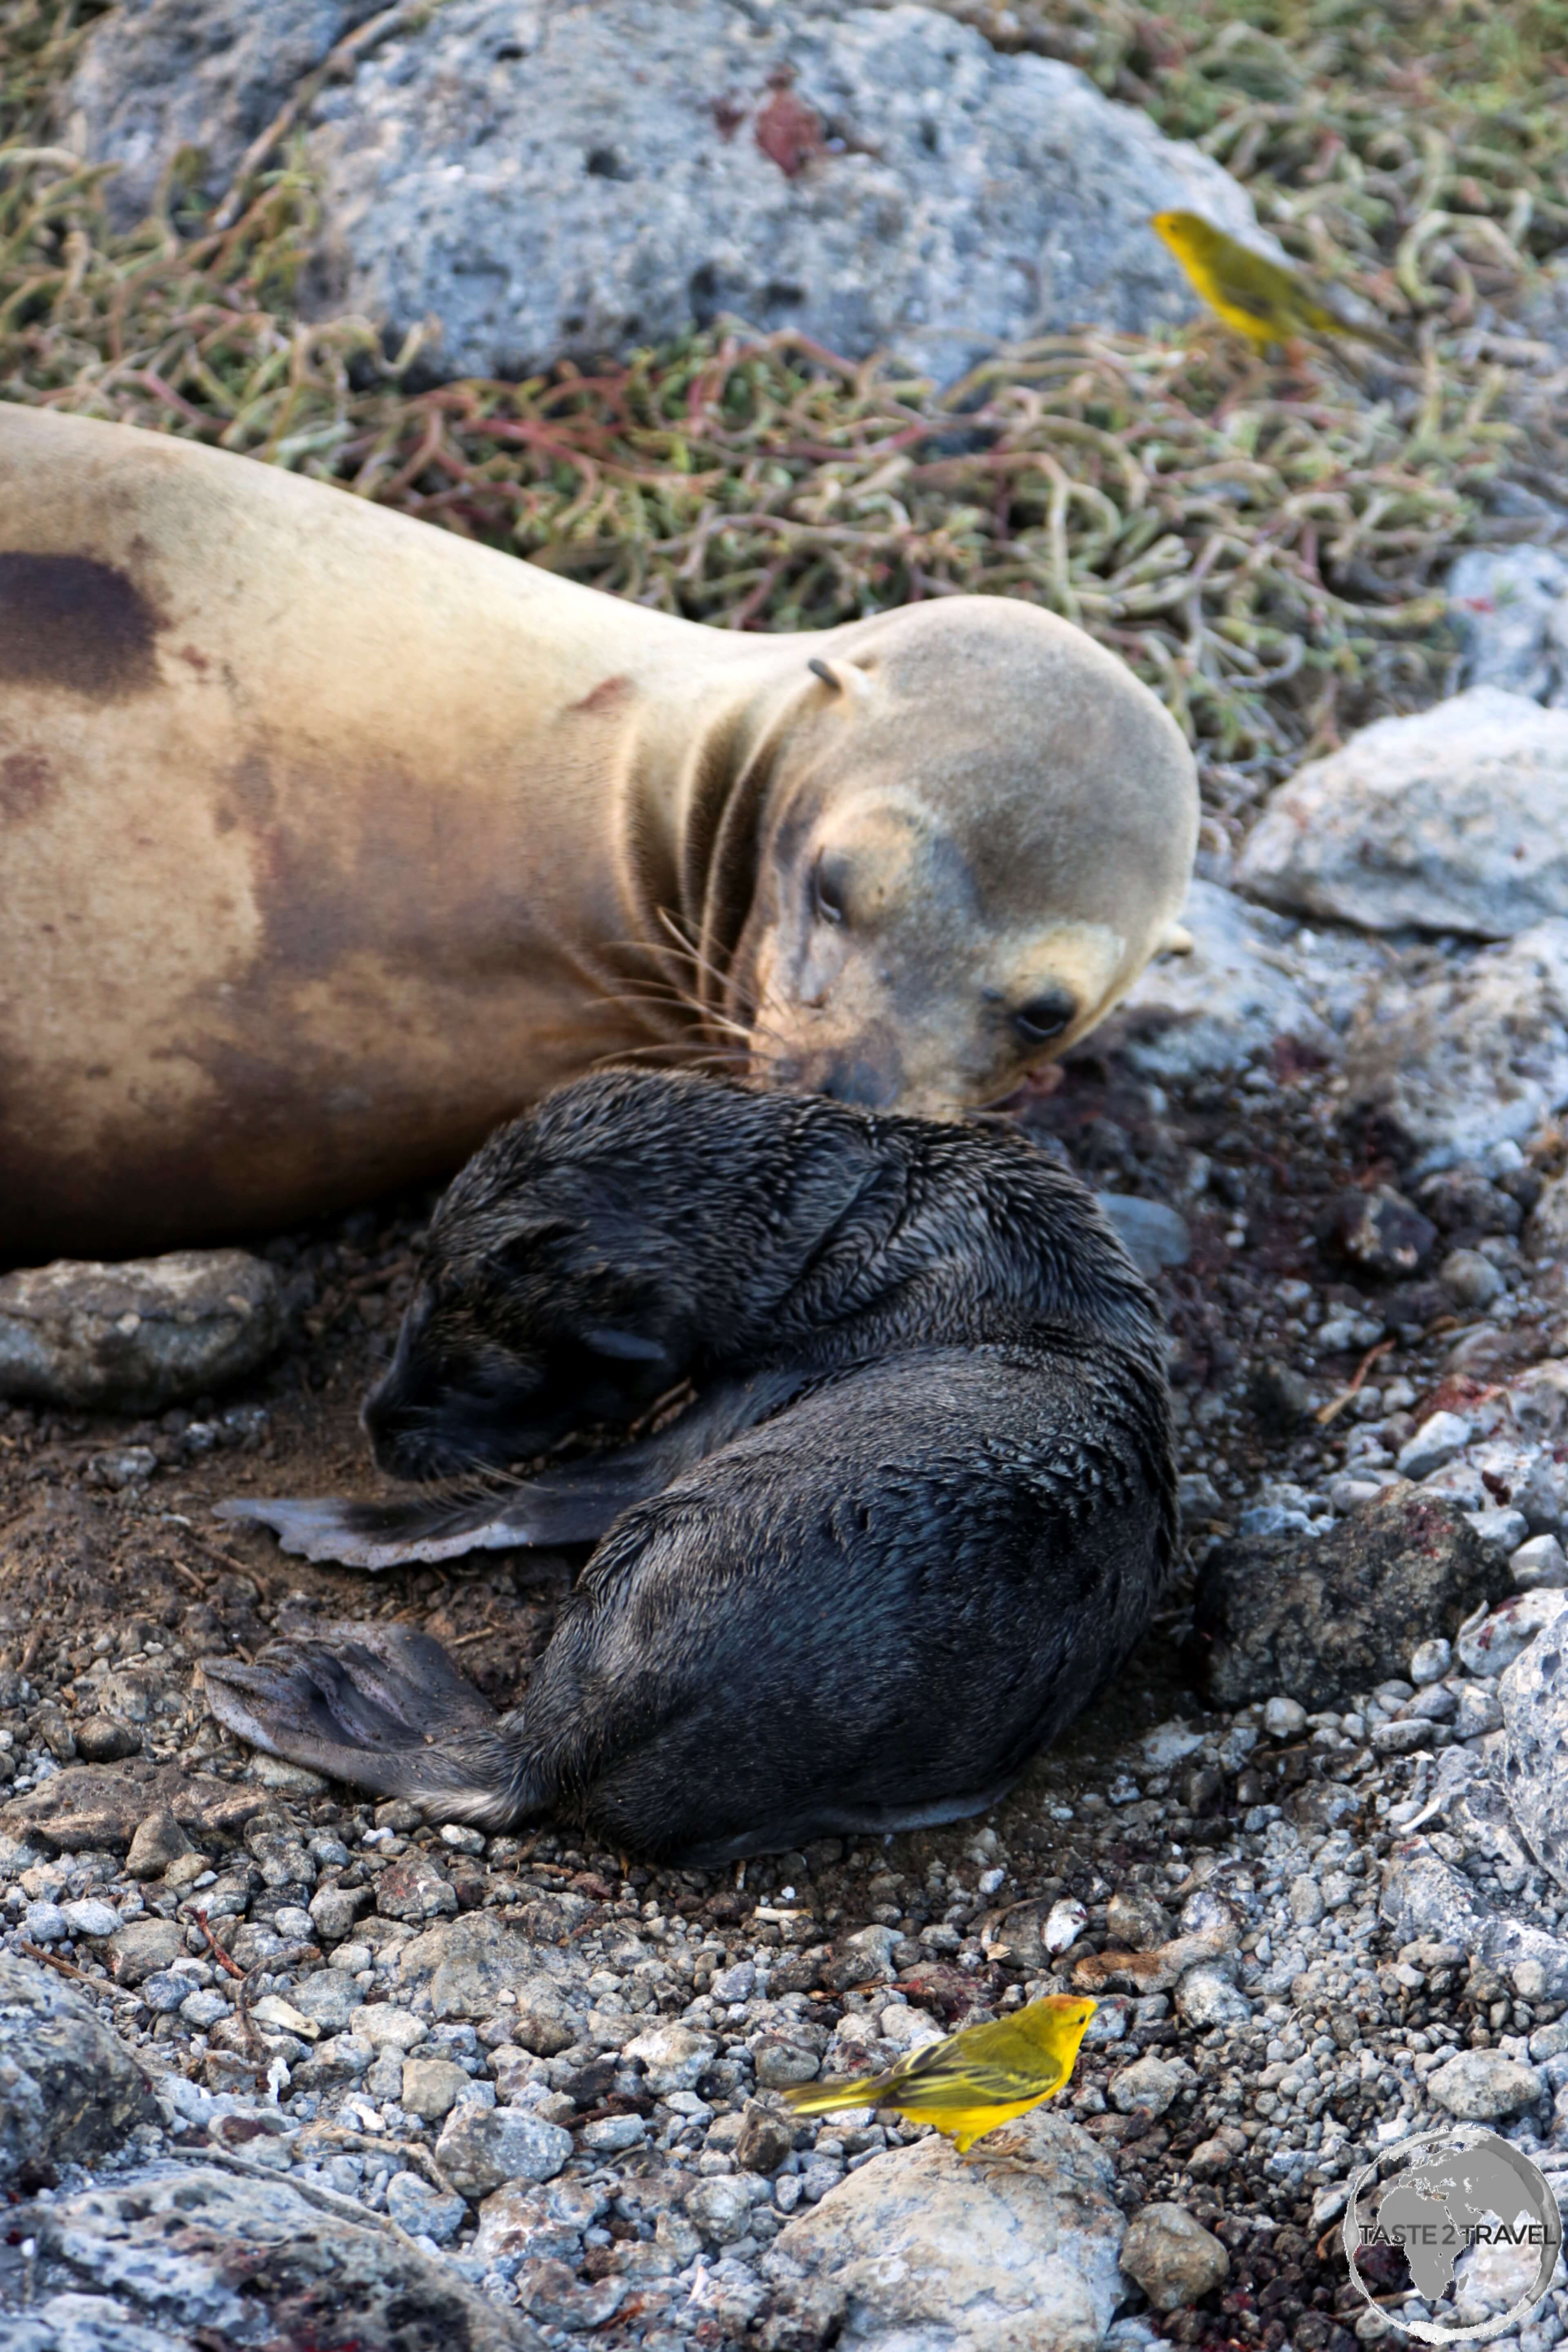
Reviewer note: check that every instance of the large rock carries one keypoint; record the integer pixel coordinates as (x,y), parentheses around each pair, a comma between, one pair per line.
(1510,605)
(145,1949)
(69,2089)
(139,1336)
(1228,1003)
(1425,1898)
(1456,820)
(1442,1065)
(1319,1617)
(104,1805)
(1480,2086)
(209,2257)
(480,2147)
(571,182)
(1533,1693)
(918,2248)
(465,1964)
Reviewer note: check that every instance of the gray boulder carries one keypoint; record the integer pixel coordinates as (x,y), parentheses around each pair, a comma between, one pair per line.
(1153,1235)
(1446,1062)
(206,2256)
(1534,1691)
(136,1337)
(920,2247)
(466,1964)
(480,2147)
(1482,2085)
(553,182)
(1509,607)
(1424,1896)
(1244,985)
(69,2089)
(1455,820)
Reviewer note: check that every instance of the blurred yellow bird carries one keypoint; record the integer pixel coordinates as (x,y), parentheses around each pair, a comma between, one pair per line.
(974,2080)
(1258,297)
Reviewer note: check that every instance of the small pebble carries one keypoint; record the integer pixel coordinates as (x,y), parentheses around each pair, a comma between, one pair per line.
(1470,1279)
(1434,1445)
(1284,1719)
(1173,2257)
(1541,1561)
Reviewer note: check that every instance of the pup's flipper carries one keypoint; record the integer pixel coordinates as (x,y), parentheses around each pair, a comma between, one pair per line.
(398,1532)
(574,1503)
(360,1704)
(379,1535)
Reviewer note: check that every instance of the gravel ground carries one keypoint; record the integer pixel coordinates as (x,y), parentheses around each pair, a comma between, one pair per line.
(312,1983)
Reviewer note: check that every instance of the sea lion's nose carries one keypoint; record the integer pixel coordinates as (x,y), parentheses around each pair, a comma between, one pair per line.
(385,1415)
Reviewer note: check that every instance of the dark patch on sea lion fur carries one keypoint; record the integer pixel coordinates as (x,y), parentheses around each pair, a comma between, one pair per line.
(71,622)
(917,1516)
(26,778)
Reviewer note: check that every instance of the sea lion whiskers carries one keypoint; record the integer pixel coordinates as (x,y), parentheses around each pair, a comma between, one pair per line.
(714,1061)
(646,996)
(687,996)
(759,1049)
(720,980)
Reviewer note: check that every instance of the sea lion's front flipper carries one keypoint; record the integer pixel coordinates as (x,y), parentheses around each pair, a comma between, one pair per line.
(360,1703)
(380,1535)
(574,1503)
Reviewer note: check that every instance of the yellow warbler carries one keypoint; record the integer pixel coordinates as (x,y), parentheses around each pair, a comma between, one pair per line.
(974,2080)
(1258,297)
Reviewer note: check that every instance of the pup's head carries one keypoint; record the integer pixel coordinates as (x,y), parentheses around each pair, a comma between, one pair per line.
(537,1312)
(631,1231)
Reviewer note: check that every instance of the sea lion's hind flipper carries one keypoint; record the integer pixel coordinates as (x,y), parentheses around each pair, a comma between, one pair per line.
(360,1703)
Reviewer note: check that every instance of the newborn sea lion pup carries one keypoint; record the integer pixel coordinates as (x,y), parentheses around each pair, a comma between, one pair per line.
(916,1516)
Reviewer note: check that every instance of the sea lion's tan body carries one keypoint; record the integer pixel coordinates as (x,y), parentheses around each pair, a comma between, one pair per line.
(328,840)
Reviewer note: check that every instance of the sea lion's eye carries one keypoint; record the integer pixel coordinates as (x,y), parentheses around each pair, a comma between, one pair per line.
(827,890)
(1043,1016)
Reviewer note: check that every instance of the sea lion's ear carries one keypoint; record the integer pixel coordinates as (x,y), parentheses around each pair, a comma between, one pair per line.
(1177,940)
(846,677)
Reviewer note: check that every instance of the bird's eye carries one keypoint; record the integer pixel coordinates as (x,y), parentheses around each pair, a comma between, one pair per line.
(1045,1016)
(827,890)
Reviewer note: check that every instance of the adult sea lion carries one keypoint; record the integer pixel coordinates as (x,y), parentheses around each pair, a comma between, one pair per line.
(328,840)
(916,1516)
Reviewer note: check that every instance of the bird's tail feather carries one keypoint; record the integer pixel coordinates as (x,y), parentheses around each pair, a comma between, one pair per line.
(825,2098)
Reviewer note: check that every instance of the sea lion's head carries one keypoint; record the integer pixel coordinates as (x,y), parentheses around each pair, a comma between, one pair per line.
(585,1259)
(527,1321)
(980,827)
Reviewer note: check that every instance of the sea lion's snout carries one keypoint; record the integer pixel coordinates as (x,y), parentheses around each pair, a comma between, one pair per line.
(867,1080)
(430,1418)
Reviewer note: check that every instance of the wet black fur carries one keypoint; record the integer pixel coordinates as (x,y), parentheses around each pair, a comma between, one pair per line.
(917,1516)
